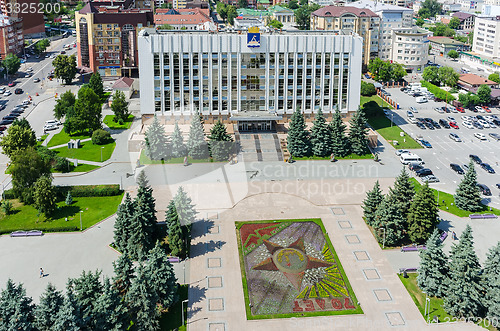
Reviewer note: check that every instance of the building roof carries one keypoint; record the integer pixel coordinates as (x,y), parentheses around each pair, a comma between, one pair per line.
(279,9)
(182,16)
(473,79)
(461,16)
(252,12)
(378,7)
(337,11)
(88,8)
(124,82)
(445,41)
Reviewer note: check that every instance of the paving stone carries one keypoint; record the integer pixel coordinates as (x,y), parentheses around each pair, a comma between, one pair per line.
(214,262)
(361,256)
(395,318)
(215,282)
(345,224)
(352,239)
(382,294)
(371,274)
(217,326)
(216,304)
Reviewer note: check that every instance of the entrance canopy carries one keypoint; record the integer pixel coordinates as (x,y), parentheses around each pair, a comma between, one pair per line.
(256,121)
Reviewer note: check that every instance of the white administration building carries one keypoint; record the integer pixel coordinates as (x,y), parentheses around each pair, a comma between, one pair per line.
(250,78)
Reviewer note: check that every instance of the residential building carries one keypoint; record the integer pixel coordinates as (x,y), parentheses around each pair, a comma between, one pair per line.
(33,22)
(179,4)
(442,45)
(364,22)
(492,2)
(466,20)
(401,3)
(410,48)
(323,3)
(487,37)
(189,19)
(11,36)
(391,17)
(451,6)
(490,10)
(107,38)
(472,82)
(253,79)
(282,14)
(470,5)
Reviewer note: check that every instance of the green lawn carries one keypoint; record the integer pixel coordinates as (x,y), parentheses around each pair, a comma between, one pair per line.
(94,209)
(144,159)
(88,151)
(375,98)
(348,157)
(449,203)
(42,139)
(81,167)
(62,138)
(109,121)
(383,126)
(172,319)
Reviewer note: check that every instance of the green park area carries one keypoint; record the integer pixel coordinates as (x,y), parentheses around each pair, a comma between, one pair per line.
(62,138)
(81,167)
(109,120)
(88,151)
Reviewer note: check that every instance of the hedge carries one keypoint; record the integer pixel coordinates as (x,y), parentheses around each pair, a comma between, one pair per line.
(79,191)
(438,92)
(56,229)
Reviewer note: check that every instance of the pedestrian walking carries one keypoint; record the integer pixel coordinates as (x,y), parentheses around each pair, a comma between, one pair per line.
(41,273)
(453,235)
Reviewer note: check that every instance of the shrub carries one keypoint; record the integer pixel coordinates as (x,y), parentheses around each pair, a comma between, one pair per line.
(438,92)
(61,164)
(45,153)
(6,207)
(101,137)
(367,89)
(89,191)
(9,194)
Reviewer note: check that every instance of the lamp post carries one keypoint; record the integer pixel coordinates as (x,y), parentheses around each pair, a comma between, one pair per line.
(184,273)
(182,308)
(383,242)
(392,118)
(101,153)
(81,211)
(427,307)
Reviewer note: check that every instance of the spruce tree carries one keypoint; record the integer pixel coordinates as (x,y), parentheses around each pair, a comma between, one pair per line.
(16,309)
(196,144)
(423,215)
(174,231)
(358,133)
(156,141)
(491,283)
(464,292)
(69,317)
(220,142)
(123,224)
(467,196)
(403,192)
(142,179)
(340,143)
(110,312)
(184,207)
(389,217)
(141,300)
(298,142)
(87,288)
(69,199)
(177,143)
(162,276)
(51,301)
(433,269)
(371,203)
(321,138)
(124,274)
(95,83)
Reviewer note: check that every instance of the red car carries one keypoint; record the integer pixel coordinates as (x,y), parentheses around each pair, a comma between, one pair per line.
(461,109)
(487,109)
(12,84)
(454,125)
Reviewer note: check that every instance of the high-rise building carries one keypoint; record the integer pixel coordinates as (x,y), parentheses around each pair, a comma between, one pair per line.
(11,36)
(410,48)
(32,15)
(487,37)
(107,38)
(253,79)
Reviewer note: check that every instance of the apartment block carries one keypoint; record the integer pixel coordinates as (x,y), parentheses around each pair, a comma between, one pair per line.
(487,37)
(11,36)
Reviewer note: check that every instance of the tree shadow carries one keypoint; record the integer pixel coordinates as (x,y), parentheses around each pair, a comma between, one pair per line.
(65,211)
(201,228)
(202,248)
(445,225)
(196,294)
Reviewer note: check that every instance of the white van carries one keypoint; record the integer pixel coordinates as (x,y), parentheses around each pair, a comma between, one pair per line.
(421,99)
(407,158)
(52,122)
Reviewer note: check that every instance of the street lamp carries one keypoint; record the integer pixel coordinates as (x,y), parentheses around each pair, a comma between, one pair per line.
(392,118)
(101,153)
(184,273)
(427,307)
(81,211)
(383,243)
(182,308)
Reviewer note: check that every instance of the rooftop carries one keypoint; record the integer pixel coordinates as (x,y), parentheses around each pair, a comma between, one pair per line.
(124,82)
(151,31)
(473,79)
(445,41)
(378,7)
(461,16)
(337,11)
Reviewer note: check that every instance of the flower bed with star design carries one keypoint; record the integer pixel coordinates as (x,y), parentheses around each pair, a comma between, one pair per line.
(290,269)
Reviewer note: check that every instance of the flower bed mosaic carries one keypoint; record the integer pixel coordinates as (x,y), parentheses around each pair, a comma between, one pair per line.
(290,268)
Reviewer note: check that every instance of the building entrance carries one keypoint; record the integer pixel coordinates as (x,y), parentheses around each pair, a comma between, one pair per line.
(252,126)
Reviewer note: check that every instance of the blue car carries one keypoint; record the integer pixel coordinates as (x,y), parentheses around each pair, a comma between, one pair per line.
(367,76)
(425,143)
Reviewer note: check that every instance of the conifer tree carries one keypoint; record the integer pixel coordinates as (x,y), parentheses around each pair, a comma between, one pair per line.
(142,179)
(184,207)
(124,274)
(178,147)
(142,299)
(123,224)
(372,202)
(16,309)
(162,276)
(156,141)
(340,143)
(467,196)
(433,269)
(464,292)
(423,215)
(110,312)
(389,217)
(298,142)
(358,133)
(69,199)
(403,192)
(491,283)
(69,317)
(95,83)
(86,288)
(174,231)
(221,143)
(51,301)
(321,138)
(196,144)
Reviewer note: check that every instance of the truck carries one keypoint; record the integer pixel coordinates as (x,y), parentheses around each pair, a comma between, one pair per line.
(421,99)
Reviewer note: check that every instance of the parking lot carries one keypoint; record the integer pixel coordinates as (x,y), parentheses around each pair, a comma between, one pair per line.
(445,150)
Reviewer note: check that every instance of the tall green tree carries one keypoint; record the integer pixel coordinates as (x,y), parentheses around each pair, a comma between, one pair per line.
(41,46)
(303,15)
(174,231)
(423,215)
(11,64)
(388,217)
(484,94)
(184,207)
(51,301)
(196,144)
(340,142)
(495,77)
(220,142)
(298,142)
(44,195)
(321,138)
(162,278)
(231,14)
(430,74)
(453,54)
(370,205)
(69,317)
(367,89)
(242,3)
(419,22)
(467,196)
(65,68)
(358,133)
(119,106)
(64,105)
(464,292)
(156,141)
(86,114)
(87,288)
(16,309)
(222,10)
(124,274)
(432,7)
(142,299)
(454,23)
(433,268)
(95,83)
(448,76)
(275,24)
(17,139)
(403,192)
(491,283)
(123,224)
(110,311)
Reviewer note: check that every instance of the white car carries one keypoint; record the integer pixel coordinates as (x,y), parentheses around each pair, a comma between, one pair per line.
(412,120)
(52,56)
(480,136)
(402,151)
(466,118)
(7,93)
(26,102)
(49,127)
(489,117)
(29,70)
(455,137)
(468,125)
(492,125)
(484,123)
(413,109)
(52,122)
(480,109)
(439,110)
(430,179)
(451,119)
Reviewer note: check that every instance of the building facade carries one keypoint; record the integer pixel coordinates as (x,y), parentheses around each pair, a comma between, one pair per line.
(466,21)
(11,36)
(248,77)
(442,45)
(107,38)
(364,22)
(487,37)
(33,22)
(410,48)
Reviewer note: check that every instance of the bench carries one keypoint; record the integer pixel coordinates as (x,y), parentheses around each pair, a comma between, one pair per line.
(443,236)
(412,248)
(32,233)
(401,270)
(173,259)
(482,216)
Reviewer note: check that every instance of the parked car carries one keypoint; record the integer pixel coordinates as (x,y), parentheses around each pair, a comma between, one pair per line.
(461,109)
(495,136)
(456,168)
(413,109)
(492,125)
(18,91)
(9,117)
(475,158)
(425,143)
(14,114)
(487,167)
(414,166)
(484,123)
(486,109)
(7,93)
(402,151)
(455,137)
(483,189)
(451,119)
(49,127)
(444,123)
(454,125)
(424,172)
(36,80)
(409,114)
(2,106)
(11,84)
(480,136)
(430,179)
(52,122)
(420,125)
(439,110)
(477,125)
